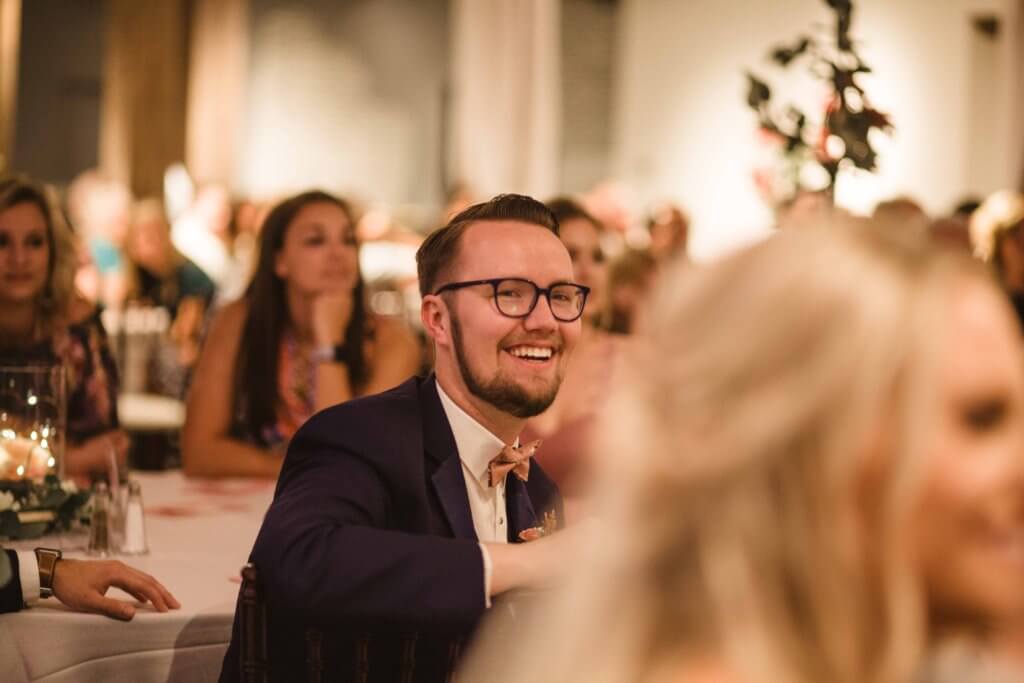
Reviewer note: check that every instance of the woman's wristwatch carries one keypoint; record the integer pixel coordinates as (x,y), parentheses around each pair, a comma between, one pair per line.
(47,559)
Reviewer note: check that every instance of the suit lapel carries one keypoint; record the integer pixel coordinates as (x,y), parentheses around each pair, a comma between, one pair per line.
(447,480)
(450,486)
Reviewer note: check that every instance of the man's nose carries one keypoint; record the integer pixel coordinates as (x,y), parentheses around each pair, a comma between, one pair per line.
(541,317)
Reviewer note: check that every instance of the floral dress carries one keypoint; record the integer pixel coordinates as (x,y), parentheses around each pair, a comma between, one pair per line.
(90,375)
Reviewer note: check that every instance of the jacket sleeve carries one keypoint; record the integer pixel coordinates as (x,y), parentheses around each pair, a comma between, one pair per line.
(11,599)
(326,552)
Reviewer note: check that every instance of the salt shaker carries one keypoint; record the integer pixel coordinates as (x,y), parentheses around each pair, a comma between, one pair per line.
(116,516)
(134,542)
(99,526)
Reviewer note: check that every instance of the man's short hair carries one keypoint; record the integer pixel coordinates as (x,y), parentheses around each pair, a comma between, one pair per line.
(437,253)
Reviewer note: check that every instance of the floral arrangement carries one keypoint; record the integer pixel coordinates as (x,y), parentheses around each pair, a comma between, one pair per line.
(841,139)
(29,509)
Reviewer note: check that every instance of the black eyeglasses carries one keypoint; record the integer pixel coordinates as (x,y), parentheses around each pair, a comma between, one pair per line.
(516,297)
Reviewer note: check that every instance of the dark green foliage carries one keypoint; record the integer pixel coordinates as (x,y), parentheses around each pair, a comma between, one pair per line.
(848,115)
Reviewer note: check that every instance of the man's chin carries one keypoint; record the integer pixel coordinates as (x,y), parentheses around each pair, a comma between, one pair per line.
(521,401)
(528,409)
(535,401)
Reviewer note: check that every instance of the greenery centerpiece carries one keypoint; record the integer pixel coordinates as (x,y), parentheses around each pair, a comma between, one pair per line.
(33,498)
(29,508)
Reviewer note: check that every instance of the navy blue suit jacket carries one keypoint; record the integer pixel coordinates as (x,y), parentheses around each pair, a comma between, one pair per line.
(370,529)
(10,582)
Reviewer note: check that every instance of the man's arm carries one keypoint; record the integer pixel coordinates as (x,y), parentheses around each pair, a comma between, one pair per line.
(534,564)
(80,584)
(328,550)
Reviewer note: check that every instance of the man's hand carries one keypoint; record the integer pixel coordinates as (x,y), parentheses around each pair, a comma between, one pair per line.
(83,584)
(539,563)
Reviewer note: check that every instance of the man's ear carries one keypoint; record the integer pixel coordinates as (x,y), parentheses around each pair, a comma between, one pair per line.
(436,319)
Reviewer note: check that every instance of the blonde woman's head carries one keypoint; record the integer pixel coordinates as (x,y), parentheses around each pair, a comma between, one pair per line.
(38,248)
(149,237)
(793,478)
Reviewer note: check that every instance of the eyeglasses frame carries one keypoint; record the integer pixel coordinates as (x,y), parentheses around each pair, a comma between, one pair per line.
(538,292)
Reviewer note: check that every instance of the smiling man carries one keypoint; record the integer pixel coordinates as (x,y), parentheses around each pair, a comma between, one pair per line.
(397,517)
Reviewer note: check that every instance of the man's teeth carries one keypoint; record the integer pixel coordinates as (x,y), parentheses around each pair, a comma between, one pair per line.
(531,352)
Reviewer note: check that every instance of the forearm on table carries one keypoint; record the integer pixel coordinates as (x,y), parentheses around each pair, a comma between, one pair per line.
(226,457)
(358,574)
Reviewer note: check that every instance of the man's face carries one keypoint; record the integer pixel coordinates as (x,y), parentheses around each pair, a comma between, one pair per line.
(512,364)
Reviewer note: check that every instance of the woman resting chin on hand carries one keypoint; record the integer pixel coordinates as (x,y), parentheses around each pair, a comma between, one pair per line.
(299,341)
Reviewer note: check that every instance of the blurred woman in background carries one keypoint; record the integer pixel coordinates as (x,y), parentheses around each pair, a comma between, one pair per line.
(99,207)
(997,234)
(669,229)
(812,471)
(631,277)
(566,426)
(159,275)
(162,275)
(45,321)
(300,340)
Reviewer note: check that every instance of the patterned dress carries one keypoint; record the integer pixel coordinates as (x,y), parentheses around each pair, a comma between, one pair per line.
(90,375)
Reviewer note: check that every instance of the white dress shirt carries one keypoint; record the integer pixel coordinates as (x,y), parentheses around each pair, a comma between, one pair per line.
(477,446)
(28,573)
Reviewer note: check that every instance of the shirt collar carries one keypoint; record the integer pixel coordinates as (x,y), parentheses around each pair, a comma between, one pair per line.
(476,444)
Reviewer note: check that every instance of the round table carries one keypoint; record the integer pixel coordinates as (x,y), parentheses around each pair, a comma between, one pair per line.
(199,534)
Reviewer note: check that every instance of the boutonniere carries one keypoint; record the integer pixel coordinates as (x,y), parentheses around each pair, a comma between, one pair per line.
(549,525)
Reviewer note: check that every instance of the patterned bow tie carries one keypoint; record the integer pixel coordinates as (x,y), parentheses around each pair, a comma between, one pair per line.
(512,459)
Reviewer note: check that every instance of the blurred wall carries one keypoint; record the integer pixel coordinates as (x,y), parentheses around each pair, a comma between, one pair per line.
(348,96)
(506,85)
(588,63)
(215,103)
(142,126)
(58,88)
(683,130)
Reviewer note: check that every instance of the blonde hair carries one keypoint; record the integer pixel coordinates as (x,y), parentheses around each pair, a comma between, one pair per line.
(147,211)
(53,303)
(998,216)
(152,210)
(742,523)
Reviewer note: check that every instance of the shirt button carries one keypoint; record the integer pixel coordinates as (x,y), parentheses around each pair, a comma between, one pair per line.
(501,521)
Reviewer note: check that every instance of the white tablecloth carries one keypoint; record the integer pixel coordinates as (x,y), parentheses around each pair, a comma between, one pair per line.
(200,534)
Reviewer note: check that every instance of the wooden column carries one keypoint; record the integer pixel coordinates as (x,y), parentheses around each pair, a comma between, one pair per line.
(142,119)
(10,43)
(1014,46)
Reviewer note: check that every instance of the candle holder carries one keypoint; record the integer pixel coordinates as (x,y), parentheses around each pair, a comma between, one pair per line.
(34,499)
(33,417)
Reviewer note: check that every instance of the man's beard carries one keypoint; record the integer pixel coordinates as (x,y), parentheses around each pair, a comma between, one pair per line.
(501,393)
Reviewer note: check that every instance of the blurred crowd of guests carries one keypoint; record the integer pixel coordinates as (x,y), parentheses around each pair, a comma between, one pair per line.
(269,317)
(238,297)
(250,292)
